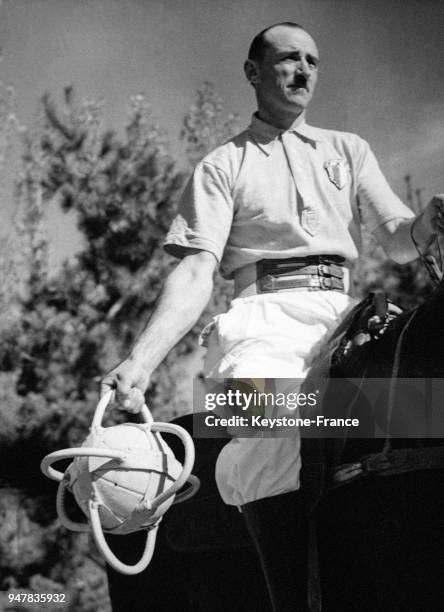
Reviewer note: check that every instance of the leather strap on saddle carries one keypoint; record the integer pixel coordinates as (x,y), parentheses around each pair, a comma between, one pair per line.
(311,273)
(395,461)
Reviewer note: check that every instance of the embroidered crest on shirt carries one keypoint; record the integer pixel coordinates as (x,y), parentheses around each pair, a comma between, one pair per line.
(337,171)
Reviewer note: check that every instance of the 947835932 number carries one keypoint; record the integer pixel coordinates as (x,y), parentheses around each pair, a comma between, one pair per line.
(37,597)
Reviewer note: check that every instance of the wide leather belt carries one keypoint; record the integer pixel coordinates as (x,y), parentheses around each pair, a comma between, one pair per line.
(312,273)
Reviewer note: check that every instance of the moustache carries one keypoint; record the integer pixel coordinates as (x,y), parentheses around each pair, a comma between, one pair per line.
(300,81)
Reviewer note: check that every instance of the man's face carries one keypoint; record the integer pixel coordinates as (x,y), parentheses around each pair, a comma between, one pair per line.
(287,75)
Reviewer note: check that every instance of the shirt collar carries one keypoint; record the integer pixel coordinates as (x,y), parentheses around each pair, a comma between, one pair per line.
(265,134)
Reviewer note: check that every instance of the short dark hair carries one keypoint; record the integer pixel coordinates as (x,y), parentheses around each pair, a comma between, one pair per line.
(258,45)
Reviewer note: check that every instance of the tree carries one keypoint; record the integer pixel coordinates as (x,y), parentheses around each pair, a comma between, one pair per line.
(73,325)
(205,125)
(10,268)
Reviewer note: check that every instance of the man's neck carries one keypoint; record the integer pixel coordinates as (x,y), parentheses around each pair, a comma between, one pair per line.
(282,121)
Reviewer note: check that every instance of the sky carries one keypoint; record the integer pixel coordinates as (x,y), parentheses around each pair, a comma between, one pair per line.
(381,74)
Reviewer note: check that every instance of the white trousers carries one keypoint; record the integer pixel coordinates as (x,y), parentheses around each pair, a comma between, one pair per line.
(272,335)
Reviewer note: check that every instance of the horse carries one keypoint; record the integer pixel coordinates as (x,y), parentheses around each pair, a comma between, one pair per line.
(378,527)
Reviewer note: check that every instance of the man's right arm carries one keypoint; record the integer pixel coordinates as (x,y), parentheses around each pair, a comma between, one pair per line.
(182,300)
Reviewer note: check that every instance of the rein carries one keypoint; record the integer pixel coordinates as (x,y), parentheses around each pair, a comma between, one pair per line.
(436,276)
(394,378)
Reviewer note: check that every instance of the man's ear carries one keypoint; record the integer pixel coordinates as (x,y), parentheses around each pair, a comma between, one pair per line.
(251,71)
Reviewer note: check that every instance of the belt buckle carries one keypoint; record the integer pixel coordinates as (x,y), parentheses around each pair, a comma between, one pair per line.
(266,284)
(323,269)
(325,283)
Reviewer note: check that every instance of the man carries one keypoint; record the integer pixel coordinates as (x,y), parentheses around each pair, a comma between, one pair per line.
(280,190)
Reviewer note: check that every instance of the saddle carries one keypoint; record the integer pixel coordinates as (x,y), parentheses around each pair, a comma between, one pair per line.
(367,321)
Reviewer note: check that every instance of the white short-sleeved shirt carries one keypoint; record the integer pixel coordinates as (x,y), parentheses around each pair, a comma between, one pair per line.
(269,193)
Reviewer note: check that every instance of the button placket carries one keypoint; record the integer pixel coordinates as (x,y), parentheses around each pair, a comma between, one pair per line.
(296,161)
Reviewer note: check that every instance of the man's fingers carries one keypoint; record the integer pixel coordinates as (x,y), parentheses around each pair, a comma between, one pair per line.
(128,387)
(435,214)
(127,398)
(438,205)
(131,399)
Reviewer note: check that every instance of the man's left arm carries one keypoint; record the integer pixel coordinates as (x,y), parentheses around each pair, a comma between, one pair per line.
(399,237)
